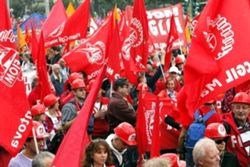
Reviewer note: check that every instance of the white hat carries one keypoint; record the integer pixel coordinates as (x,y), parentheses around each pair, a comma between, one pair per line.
(174,69)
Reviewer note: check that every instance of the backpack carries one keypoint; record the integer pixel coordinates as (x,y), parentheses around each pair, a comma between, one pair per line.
(197,129)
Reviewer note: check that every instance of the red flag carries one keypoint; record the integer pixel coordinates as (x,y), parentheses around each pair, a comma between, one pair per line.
(139,35)
(130,69)
(56,17)
(172,36)
(76,139)
(155,146)
(34,46)
(42,70)
(218,57)
(13,100)
(27,36)
(147,127)
(142,141)
(113,52)
(75,27)
(90,55)
(7,37)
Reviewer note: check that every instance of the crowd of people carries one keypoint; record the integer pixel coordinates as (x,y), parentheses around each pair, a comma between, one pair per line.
(224,142)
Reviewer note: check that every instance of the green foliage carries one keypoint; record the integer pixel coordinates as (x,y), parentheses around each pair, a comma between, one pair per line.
(99,7)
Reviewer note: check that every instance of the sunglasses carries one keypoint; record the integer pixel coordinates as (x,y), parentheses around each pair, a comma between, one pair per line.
(219,141)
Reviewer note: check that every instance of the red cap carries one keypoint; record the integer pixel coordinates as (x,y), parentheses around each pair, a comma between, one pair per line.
(37,109)
(215,130)
(178,60)
(241,97)
(78,83)
(126,133)
(50,100)
(174,159)
(39,131)
(73,76)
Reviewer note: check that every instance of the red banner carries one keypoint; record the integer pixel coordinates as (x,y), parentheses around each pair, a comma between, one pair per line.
(90,55)
(75,27)
(159,25)
(219,54)
(15,119)
(58,12)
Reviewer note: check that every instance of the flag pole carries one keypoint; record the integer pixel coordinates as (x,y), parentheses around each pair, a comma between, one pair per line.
(162,71)
(111,89)
(35,140)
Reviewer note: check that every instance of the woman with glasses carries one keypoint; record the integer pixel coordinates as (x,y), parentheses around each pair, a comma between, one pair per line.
(217,132)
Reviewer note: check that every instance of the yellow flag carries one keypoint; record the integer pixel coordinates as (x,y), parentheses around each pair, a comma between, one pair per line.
(188,36)
(70,9)
(116,14)
(20,38)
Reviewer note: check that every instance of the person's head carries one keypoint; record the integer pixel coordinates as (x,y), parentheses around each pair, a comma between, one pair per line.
(56,69)
(217,132)
(50,53)
(78,87)
(173,71)
(206,154)
(179,62)
(170,84)
(43,159)
(124,136)
(121,85)
(157,162)
(38,112)
(97,153)
(51,101)
(73,76)
(38,131)
(241,107)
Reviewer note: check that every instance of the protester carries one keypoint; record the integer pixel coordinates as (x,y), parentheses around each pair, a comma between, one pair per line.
(237,125)
(34,95)
(38,113)
(97,154)
(205,115)
(71,109)
(206,154)
(53,114)
(57,79)
(67,95)
(43,159)
(179,62)
(169,90)
(101,125)
(217,132)
(25,157)
(119,142)
(119,109)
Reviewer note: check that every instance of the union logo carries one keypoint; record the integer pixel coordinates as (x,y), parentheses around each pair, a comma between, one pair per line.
(95,52)
(58,31)
(220,36)
(136,35)
(10,69)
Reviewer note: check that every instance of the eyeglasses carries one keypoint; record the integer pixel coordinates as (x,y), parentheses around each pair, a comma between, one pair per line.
(219,141)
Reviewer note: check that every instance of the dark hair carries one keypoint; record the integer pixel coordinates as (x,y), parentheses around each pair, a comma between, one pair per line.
(93,147)
(120,83)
